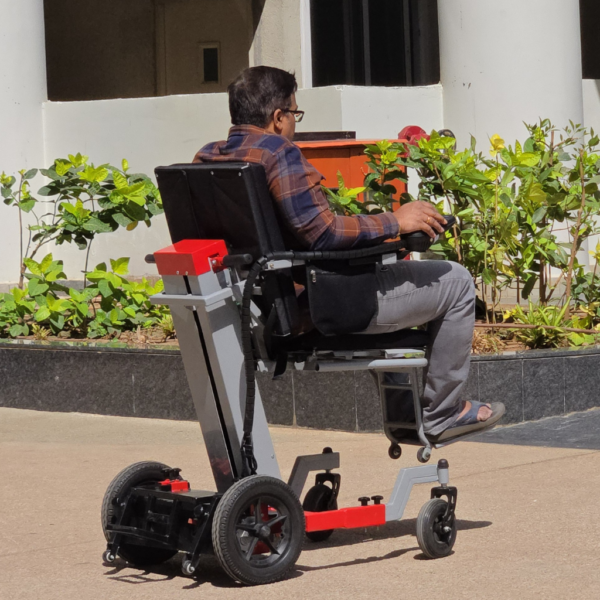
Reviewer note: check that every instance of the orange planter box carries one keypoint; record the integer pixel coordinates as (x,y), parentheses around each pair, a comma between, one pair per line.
(345,156)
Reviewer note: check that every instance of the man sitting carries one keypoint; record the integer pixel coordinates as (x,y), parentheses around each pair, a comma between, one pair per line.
(264,114)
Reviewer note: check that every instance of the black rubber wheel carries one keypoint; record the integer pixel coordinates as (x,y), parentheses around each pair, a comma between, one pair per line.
(258,530)
(423,455)
(433,540)
(395,451)
(319,499)
(141,473)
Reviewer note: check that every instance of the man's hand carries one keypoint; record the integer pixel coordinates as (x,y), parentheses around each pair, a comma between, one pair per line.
(420,216)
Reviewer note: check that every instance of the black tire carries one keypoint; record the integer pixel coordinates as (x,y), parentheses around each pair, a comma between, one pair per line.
(319,499)
(236,536)
(140,473)
(433,541)
(395,451)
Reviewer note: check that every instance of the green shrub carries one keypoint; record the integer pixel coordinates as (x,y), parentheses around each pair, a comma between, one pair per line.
(79,202)
(509,206)
(109,305)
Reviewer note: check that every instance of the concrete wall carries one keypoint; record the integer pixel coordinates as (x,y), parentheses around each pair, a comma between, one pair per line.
(157,131)
(22,91)
(382,112)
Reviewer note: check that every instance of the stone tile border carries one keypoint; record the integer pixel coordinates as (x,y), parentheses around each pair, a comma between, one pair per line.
(151,383)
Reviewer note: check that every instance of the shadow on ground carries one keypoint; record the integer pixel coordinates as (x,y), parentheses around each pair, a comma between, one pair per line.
(209,572)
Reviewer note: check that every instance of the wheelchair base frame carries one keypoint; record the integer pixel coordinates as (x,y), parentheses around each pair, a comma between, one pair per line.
(166,514)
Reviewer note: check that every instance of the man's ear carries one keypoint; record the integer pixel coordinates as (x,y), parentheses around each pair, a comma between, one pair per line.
(278,116)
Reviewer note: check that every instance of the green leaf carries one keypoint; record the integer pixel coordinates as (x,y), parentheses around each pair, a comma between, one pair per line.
(37,288)
(58,322)
(62,167)
(120,266)
(529,285)
(119,180)
(27,204)
(95,225)
(46,262)
(122,220)
(355,191)
(30,174)
(105,288)
(539,214)
(17,330)
(92,174)
(125,165)
(33,266)
(488,276)
(42,314)
(82,308)
(137,213)
(78,160)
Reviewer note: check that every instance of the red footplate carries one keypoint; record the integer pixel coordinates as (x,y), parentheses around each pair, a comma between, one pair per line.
(346,518)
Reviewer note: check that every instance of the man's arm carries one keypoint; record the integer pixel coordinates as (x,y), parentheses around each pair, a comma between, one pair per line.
(296,188)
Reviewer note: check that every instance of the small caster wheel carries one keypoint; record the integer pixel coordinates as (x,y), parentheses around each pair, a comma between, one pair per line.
(108,556)
(187,568)
(395,451)
(423,455)
(319,499)
(435,537)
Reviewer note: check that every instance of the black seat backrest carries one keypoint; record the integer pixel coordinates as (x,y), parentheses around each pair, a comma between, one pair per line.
(230,201)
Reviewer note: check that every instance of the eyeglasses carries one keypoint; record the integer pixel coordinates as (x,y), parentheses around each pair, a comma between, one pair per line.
(298,114)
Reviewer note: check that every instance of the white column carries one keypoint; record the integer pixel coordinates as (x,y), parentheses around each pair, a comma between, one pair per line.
(22,92)
(279,37)
(509,61)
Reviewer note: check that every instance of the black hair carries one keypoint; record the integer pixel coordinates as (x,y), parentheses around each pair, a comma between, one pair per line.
(257,93)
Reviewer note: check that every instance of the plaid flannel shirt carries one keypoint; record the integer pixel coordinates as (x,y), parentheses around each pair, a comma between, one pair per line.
(295,186)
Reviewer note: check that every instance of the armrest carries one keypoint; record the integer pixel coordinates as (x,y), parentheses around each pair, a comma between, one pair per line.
(373,251)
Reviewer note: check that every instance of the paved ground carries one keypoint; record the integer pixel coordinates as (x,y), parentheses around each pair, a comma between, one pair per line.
(529,525)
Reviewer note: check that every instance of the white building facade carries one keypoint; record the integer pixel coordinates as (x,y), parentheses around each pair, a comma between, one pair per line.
(145,79)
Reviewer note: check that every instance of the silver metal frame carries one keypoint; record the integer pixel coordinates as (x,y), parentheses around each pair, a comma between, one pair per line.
(207,320)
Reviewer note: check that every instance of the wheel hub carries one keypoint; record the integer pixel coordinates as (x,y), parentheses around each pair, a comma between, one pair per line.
(264,532)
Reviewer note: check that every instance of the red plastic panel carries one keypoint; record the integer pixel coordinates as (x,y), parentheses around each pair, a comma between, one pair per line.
(346,518)
(189,257)
(176,485)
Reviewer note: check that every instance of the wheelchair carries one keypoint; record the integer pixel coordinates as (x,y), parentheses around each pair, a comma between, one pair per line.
(229,282)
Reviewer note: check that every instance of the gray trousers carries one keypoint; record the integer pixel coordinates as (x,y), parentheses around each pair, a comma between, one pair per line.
(442,294)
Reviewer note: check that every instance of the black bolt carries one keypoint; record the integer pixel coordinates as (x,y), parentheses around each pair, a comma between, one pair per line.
(364,500)
(377,499)
(327,450)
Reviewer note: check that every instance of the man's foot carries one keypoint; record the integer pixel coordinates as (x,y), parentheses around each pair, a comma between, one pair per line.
(483,414)
(475,416)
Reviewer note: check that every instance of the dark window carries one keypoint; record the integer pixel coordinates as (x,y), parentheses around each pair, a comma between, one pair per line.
(375,42)
(211,65)
(590,50)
